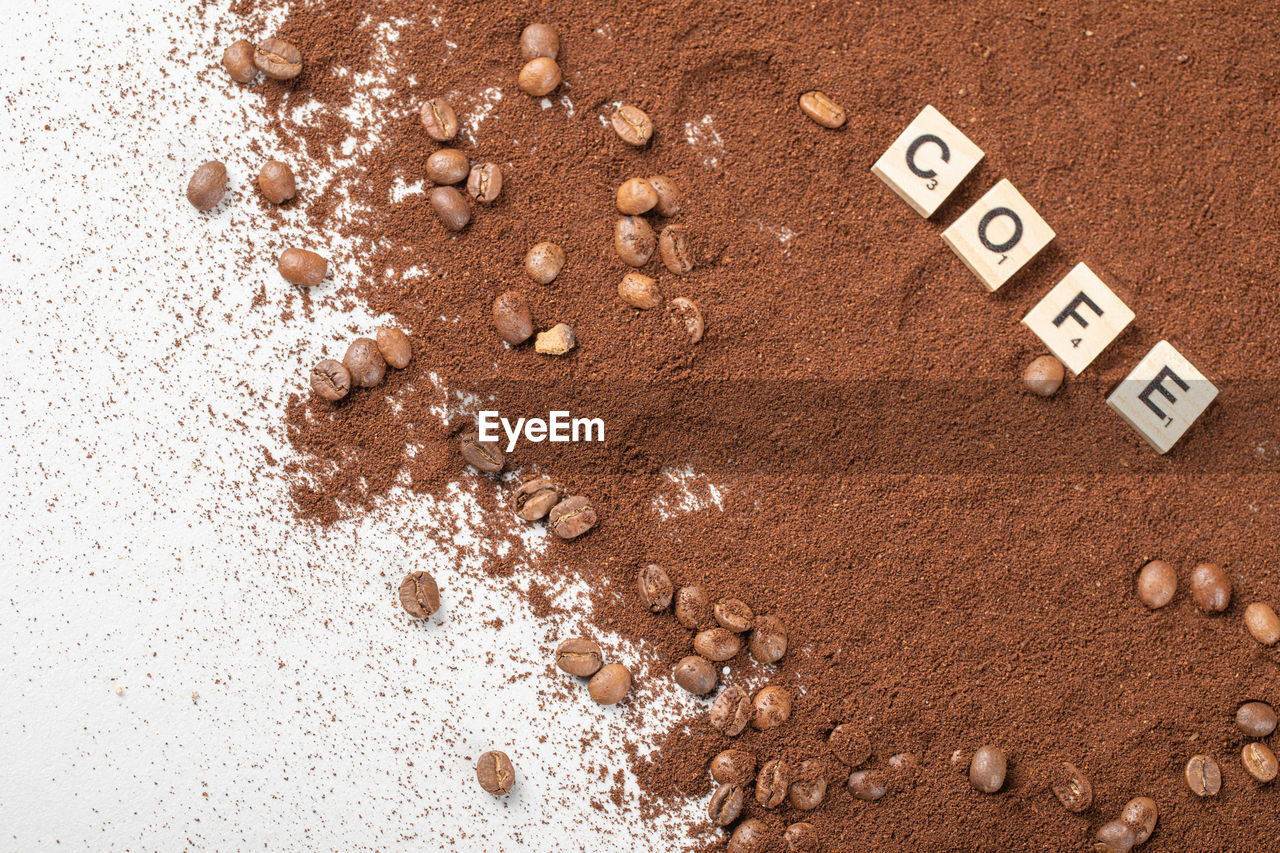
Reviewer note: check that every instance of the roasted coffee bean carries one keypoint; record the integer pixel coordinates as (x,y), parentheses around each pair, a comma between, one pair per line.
(276,182)
(1204,778)
(773,707)
(539,40)
(673,243)
(693,610)
(959,761)
(447,166)
(695,674)
(822,109)
(732,711)
(330,380)
(278,59)
(772,783)
(301,267)
(439,119)
(725,805)
(451,207)
(987,769)
(1262,623)
(668,195)
(633,240)
(1115,836)
(1043,376)
(485,182)
(867,785)
(850,744)
(496,773)
(905,764)
(419,595)
(485,455)
(610,685)
(802,838)
(639,291)
(1256,719)
(207,186)
(632,125)
(365,363)
(1157,583)
(733,615)
(539,77)
(733,767)
(572,517)
(1072,788)
(557,340)
(1210,587)
(544,262)
(717,644)
(535,498)
(751,836)
(1259,761)
(808,787)
(636,196)
(1140,813)
(512,318)
(768,641)
(238,60)
(685,316)
(394,346)
(579,656)
(655,588)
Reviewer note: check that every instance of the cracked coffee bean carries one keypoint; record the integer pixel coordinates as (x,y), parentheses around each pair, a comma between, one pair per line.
(808,787)
(610,685)
(572,517)
(544,262)
(850,744)
(207,186)
(447,166)
(632,125)
(773,708)
(673,244)
(751,836)
(302,268)
(394,346)
(773,782)
(639,291)
(717,644)
(733,767)
(987,769)
(439,119)
(768,642)
(686,317)
(419,595)
(535,498)
(539,40)
(868,785)
(693,610)
(1157,582)
(1256,719)
(1259,761)
(633,240)
(1072,788)
(695,674)
(655,588)
(238,60)
(1141,814)
(733,615)
(558,340)
(668,195)
(278,59)
(732,711)
(539,77)
(485,455)
(725,805)
(1210,587)
(450,207)
(636,196)
(1204,777)
(822,109)
(496,773)
(579,656)
(512,318)
(365,363)
(485,182)
(330,380)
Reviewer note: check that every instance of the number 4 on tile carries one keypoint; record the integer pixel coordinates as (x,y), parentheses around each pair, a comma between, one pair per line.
(1079,318)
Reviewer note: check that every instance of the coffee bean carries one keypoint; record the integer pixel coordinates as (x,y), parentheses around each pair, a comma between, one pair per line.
(751,836)
(496,773)
(822,109)
(447,166)
(1043,377)
(579,656)
(850,744)
(557,340)
(773,707)
(572,517)
(330,380)
(673,243)
(802,838)
(633,240)
(695,674)
(655,588)
(485,182)
(419,595)
(539,40)
(1140,813)
(238,60)
(485,455)
(987,769)
(1114,837)
(1262,623)
(733,767)
(365,363)
(207,186)
(632,125)
(686,317)
(439,119)
(717,644)
(668,195)
(1204,777)
(639,291)
(535,498)
(1072,788)
(1157,583)
(772,783)
(610,685)
(451,207)
(808,787)
(725,805)
(544,262)
(905,764)
(539,77)
(733,615)
(1210,587)
(301,267)
(732,711)
(768,641)
(693,610)
(1256,719)
(276,182)
(278,59)
(512,318)
(636,196)
(959,761)
(1259,761)
(394,346)
(868,785)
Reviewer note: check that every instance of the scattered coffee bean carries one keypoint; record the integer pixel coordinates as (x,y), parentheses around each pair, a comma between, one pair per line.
(610,685)
(330,380)
(867,785)
(439,119)
(485,455)
(686,317)
(207,186)
(1157,583)
(451,207)
(1115,836)
(572,517)
(1259,761)
(539,77)
(639,291)
(301,267)
(904,764)
(544,262)
(1204,777)
(485,182)
(539,40)
(632,124)
(717,644)
(673,243)
(668,195)
(850,744)
(419,595)
(1210,587)
(808,787)
(773,707)
(495,772)
(1256,719)
(512,318)
(733,614)
(636,196)
(1072,788)
(633,240)
(768,641)
(695,674)
(655,588)
(278,59)
(822,109)
(1262,623)
(725,805)
(732,711)
(693,610)
(394,346)
(733,767)
(557,340)
(1043,377)
(773,782)
(802,838)
(276,182)
(535,498)
(447,166)
(238,60)
(1140,813)
(751,836)
(579,656)
(365,363)
(987,769)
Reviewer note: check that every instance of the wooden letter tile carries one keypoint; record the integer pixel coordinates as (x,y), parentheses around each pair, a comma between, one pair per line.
(1162,397)
(997,236)
(1079,318)
(927,161)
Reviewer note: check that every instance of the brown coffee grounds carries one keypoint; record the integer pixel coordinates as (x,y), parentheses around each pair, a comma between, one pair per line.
(955,559)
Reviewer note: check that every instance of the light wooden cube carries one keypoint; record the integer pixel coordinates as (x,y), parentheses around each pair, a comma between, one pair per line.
(1079,318)
(1162,397)
(927,162)
(997,236)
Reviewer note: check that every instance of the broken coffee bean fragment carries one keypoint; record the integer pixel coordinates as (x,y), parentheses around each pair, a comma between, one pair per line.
(1259,761)
(632,125)
(558,340)
(772,708)
(693,609)
(485,455)
(579,656)
(276,182)
(238,60)
(695,674)
(535,498)
(485,182)
(419,595)
(686,317)
(673,245)
(725,805)
(365,363)
(1203,776)
(572,517)
(987,769)
(394,346)
(768,642)
(773,782)
(495,773)
(633,240)
(447,166)
(1072,788)
(207,186)
(610,684)
(639,291)
(732,711)
(544,262)
(733,614)
(733,767)
(439,119)
(1210,587)
(717,644)
(278,59)
(539,40)
(450,207)
(1157,583)
(302,267)
(655,588)
(330,380)
(826,112)
(512,317)
(539,76)
(1256,719)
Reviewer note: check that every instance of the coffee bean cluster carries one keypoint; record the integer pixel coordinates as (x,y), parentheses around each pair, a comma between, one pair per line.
(448,167)
(1211,591)
(363,366)
(1132,829)
(608,684)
